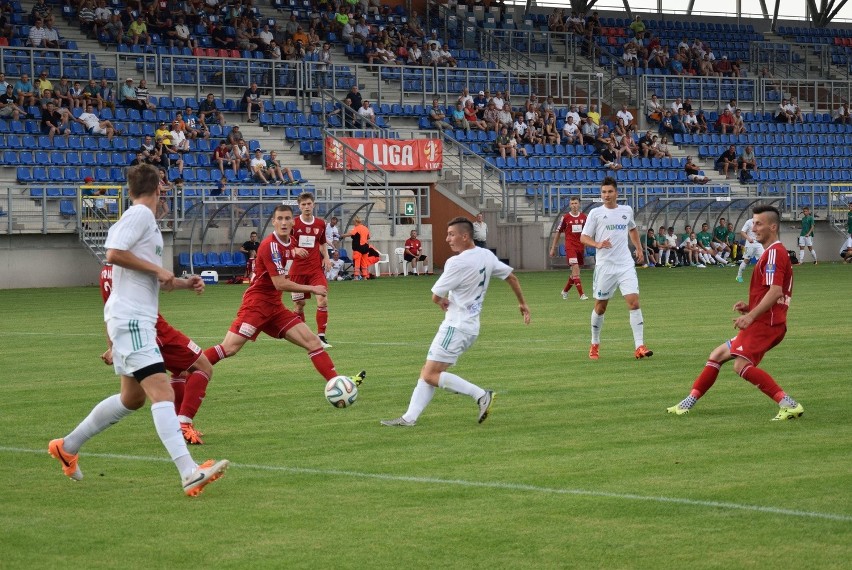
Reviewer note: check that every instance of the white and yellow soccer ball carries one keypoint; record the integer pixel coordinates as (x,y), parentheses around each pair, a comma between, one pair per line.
(341,392)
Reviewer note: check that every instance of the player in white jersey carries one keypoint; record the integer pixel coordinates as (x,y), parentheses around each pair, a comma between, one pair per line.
(608,229)
(753,248)
(135,248)
(460,292)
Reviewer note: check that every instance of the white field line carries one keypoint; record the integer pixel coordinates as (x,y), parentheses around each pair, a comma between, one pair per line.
(495,485)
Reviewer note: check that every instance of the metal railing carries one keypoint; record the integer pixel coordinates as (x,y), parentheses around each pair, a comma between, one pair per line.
(786,59)
(472,168)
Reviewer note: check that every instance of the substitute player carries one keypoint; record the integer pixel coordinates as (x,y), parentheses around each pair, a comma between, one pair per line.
(460,292)
(309,267)
(607,229)
(572,225)
(135,248)
(806,236)
(262,309)
(191,371)
(762,324)
(751,249)
(413,253)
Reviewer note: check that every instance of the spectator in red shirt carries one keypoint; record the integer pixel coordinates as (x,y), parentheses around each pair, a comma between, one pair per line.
(725,122)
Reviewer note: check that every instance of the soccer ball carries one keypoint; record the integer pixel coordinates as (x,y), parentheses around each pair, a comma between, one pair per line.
(341,391)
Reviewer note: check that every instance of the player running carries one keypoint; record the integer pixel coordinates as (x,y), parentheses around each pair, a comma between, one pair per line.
(134,246)
(607,229)
(262,309)
(752,249)
(191,371)
(762,324)
(572,225)
(309,267)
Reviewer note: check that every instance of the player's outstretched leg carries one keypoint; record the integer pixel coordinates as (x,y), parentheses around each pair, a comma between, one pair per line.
(68,460)
(203,475)
(420,398)
(703,383)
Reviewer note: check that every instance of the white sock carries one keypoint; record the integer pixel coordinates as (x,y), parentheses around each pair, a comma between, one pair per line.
(801,256)
(597,325)
(720,259)
(638,326)
(457,384)
(813,254)
(743,264)
(168,428)
(106,413)
(420,398)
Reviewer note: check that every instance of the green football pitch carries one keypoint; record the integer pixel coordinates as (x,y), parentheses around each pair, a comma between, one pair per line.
(578,465)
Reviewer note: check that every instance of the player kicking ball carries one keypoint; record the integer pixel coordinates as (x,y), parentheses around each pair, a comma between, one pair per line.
(262,309)
(762,324)
(460,292)
(572,226)
(608,229)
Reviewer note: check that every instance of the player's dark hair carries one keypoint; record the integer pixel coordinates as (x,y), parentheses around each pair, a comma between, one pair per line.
(574,198)
(609,181)
(282,208)
(306,196)
(142,180)
(466,225)
(763,209)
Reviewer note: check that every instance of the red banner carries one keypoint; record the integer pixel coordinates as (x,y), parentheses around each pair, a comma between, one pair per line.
(393,155)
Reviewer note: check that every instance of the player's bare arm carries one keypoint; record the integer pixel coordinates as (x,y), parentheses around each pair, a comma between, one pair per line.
(283,284)
(554,242)
(513,282)
(771,298)
(442,302)
(587,240)
(128,260)
(741,307)
(194,282)
(634,238)
(326,260)
(745,237)
(300,252)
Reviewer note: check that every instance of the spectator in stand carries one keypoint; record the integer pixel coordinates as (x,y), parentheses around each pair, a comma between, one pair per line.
(661,147)
(841,116)
(637,26)
(234,136)
(415,54)
(367,114)
(40,11)
(506,116)
(491,116)
(53,122)
(550,132)
(702,122)
(472,119)
(725,123)
(594,116)
(610,157)
(676,106)
(355,96)
(138,32)
(556,21)
(96,126)
(726,160)
(106,95)
(571,133)
(457,116)
(78,94)
(180,36)
(628,147)
(252,101)
(747,161)
(273,166)
(8,107)
(507,143)
(576,24)
(37,35)
(128,96)
(658,57)
(739,123)
(732,106)
(208,111)
(194,128)
(677,64)
(143,95)
(25,91)
(257,167)
(666,125)
(630,56)
(690,123)
(240,157)
(178,137)
(480,102)
(437,116)
(723,67)
(222,157)
(625,123)
(645,143)
(91,92)
(693,173)
(62,92)
(796,111)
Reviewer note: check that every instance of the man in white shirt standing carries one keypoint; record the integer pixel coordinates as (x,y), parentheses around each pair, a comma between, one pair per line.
(480,231)
(608,229)
(460,293)
(135,249)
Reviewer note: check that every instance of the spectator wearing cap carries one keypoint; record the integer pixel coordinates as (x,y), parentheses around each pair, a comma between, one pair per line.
(163,134)
(480,102)
(128,97)
(723,67)
(179,141)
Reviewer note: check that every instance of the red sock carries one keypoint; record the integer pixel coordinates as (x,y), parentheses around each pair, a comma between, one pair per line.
(568,285)
(763,381)
(323,364)
(215,353)
(706,379)
(196,388)
(322,319)
(579,285)
(178,385)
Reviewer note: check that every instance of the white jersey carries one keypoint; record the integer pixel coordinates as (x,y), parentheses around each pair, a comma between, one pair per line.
(613,224)
(464,282)
(134,293)
(747,229)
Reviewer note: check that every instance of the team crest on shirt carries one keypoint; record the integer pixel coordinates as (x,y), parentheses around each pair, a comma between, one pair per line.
(770,268)
(315,230)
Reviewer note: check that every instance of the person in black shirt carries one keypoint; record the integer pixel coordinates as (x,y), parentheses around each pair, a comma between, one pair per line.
(252,101)
(728,159)
(53,122)
(355,97)
(250,249)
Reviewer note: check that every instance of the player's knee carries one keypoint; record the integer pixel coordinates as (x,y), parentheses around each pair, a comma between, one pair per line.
(133,401)
(203,365)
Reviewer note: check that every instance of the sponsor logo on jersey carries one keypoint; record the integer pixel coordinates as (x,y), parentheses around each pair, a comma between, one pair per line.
(612,227)
(247,329)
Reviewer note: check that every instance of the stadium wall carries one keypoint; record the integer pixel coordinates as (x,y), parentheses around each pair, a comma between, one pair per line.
(54,260)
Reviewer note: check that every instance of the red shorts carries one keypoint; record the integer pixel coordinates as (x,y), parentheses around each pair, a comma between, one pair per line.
(312,279)
(574,254)
(178,350)
(755,341)
(274,320)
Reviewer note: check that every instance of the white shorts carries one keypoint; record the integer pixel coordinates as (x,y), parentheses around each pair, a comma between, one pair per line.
(449,343)
(134,345)
(753,249)
(607,278)
(98,130)
(806,241)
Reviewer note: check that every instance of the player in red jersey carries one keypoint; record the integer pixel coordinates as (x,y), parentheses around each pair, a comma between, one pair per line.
(762,324)
(262,309)
(572,225)
(191,371)
(309,269)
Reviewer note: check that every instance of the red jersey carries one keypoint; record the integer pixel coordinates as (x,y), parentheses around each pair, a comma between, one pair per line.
(773,268)
(310,236)
(106,288)
(572,226)
(274,257)
(413,245)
